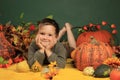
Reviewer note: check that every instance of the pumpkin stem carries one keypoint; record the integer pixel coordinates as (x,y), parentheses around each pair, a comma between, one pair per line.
(93,40)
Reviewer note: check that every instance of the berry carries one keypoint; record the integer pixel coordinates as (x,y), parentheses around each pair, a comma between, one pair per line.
(114,31)
(113,26)
(104,23)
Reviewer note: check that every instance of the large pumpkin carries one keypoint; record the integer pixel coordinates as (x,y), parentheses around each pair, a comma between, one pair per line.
(91,53)
(100,35)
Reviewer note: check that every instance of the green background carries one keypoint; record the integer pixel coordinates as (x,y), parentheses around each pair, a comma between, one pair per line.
(77,12)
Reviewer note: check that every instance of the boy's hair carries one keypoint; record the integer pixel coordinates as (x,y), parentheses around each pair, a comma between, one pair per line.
(48,21)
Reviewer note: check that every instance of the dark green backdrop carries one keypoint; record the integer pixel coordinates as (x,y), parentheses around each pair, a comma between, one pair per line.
(77,12)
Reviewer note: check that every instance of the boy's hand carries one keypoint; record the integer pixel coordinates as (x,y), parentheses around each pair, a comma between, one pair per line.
(39,43)
(50,46)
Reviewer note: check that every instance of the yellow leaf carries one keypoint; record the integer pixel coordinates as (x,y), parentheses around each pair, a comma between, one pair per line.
(50,16)
(52,64)
(36,67)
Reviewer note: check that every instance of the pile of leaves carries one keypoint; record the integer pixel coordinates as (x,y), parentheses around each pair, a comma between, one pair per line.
(19,36)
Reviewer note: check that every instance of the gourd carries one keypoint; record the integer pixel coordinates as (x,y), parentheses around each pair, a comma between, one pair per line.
(102,71)
(91,53)
(22,66)
(88,71)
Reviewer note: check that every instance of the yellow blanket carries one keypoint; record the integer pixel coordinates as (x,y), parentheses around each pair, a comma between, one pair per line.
(69,73)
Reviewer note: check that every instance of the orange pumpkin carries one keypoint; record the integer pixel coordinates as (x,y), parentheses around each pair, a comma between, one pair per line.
(91,53)
(100,35)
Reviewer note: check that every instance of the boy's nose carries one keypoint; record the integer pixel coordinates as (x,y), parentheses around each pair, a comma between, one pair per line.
(45,37)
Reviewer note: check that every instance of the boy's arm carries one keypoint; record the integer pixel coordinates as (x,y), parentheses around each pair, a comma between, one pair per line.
(59,56)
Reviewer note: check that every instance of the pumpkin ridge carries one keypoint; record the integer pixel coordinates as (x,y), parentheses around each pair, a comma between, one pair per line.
(91,54)
(80,55)
(100,52)
(109,51)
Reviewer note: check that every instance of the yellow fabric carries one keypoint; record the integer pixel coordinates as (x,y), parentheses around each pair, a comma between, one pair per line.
(69,73)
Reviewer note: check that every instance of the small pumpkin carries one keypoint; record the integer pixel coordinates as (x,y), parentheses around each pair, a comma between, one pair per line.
(92,53)
(115,74)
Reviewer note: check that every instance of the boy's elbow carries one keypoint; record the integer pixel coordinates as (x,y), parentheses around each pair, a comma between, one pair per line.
(62,65)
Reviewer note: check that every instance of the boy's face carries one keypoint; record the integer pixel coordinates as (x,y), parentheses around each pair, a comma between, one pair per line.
(46,34)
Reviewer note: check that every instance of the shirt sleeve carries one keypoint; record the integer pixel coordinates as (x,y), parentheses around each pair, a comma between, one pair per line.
(59,55)
(34,54)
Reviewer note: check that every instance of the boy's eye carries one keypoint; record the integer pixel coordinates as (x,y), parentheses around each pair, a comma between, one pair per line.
(50,35)
(42,33)
(45,34)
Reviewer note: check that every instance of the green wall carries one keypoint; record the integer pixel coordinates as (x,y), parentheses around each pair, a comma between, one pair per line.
(77,12)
